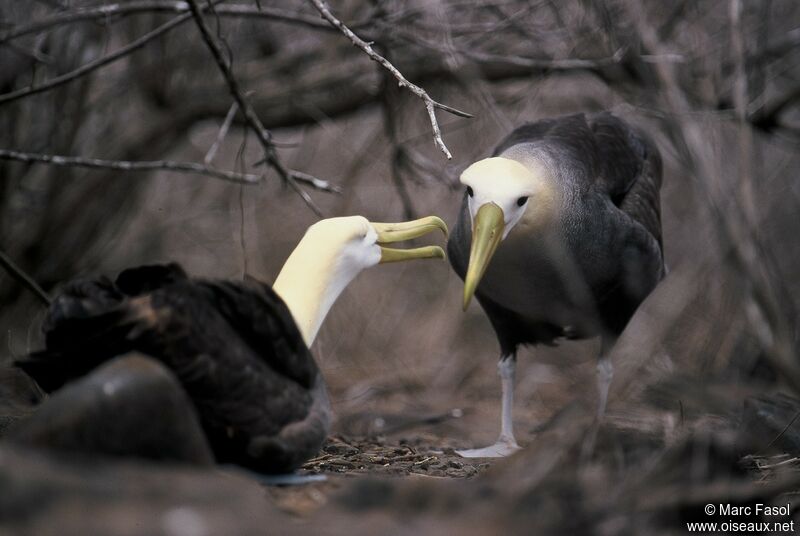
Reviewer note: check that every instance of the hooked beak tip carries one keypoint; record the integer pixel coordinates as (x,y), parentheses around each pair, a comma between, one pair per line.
(397,232)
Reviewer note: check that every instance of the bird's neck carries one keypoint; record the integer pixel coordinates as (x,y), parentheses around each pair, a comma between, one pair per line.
(551,195)
(311,280)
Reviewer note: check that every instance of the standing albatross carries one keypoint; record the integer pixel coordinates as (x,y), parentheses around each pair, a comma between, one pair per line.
(240,349)
(559,236)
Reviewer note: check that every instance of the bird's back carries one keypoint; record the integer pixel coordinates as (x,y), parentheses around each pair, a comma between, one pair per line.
(233,345)
(630,170)
(604,154)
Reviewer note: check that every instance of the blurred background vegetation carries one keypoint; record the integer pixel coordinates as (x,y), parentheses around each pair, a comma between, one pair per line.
(716,84)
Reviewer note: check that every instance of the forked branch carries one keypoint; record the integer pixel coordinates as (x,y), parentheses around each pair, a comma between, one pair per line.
(263,135)
(430,104)
(156,165)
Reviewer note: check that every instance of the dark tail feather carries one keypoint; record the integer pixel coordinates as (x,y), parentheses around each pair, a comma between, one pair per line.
(86,325)
(79,345)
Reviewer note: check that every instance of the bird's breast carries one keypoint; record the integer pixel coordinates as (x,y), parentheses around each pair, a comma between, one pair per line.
(537,279)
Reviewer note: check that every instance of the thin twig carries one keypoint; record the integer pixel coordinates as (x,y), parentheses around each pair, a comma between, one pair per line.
(125,165)
(263,135)
(430,104)
(391,126)
(785,429)
(566,64)
(153,165)
(27,281)
(161,6)
(316,182)
(96,64)
(223,131)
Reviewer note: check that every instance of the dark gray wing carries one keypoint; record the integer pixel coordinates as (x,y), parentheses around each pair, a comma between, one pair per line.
(629,170)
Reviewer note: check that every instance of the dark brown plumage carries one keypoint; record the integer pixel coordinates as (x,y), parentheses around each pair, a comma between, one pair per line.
(234,346)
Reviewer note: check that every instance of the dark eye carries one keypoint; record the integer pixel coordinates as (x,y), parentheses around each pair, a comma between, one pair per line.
(521,201)
(470,192)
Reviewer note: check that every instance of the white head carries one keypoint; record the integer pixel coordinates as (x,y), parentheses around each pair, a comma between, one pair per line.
(510,185)
(501,193)
(333,252)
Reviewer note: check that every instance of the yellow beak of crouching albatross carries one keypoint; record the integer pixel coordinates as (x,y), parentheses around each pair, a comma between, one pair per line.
(397,232)
(487,231)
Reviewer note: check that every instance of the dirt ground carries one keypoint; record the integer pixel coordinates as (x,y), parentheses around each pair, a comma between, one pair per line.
(400,442)
(343,459)
(414,456)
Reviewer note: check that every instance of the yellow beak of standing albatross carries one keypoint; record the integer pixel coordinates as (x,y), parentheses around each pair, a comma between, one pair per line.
(487,231)
(397,232)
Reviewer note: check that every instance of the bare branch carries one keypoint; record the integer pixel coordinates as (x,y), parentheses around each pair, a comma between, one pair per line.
(93,13)
(96,64)
(314,182)
(566,64)
(502,66)
(430,104)
(160,165)
(155,6)
(27,281)
(223,131)
(264,136)
(126,165)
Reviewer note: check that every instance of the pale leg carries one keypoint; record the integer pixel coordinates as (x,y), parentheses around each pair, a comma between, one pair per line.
(506,444)
(605,373)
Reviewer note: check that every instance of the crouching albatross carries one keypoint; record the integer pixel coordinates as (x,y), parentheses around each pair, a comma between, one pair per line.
(240,349)
(559,236)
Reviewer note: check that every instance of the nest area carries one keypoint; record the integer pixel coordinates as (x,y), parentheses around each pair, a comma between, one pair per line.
(353,456)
